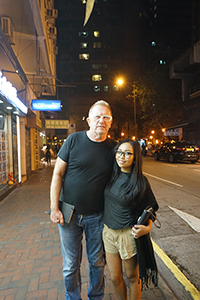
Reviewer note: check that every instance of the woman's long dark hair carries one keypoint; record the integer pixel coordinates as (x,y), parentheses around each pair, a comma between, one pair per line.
(135,185)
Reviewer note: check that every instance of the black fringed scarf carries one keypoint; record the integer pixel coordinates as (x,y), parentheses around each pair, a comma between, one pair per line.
(146,261)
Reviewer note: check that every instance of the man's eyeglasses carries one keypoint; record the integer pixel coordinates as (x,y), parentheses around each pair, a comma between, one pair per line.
(126,154)
(104,117)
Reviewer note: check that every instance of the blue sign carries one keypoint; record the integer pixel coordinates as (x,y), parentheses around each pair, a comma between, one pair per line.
(46,105)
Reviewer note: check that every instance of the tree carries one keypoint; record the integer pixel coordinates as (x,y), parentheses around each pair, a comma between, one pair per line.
(122,114)
(160,100)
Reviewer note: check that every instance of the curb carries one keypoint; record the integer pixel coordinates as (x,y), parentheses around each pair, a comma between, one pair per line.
(179,285)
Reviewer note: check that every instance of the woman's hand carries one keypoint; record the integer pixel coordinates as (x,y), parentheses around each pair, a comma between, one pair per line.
(139,230)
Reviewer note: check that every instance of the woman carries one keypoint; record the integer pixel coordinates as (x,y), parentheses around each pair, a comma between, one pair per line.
(126,196)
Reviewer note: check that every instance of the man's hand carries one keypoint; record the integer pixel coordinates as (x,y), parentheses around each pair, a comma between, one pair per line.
(57,217)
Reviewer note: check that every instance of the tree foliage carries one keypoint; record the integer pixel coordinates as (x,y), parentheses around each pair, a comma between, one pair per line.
(159,98)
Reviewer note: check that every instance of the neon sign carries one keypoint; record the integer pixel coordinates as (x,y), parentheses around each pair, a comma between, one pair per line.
(46,105)
(10,93)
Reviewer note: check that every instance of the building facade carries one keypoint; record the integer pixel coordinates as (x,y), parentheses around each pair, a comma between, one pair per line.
(93,57)
(186,67)
(27,71)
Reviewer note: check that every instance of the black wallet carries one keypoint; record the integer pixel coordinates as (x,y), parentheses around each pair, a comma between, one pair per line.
(67,211)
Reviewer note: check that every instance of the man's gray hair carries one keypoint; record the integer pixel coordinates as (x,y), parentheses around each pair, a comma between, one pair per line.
(102,103)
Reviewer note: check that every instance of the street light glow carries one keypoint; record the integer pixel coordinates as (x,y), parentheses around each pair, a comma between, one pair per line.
(120,81)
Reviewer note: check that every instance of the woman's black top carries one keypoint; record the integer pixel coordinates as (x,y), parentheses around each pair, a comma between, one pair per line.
(118,214)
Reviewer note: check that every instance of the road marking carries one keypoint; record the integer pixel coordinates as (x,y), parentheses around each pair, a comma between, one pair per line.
(189,287)
(168,165)
(191,220)
(197,170)
(163,179)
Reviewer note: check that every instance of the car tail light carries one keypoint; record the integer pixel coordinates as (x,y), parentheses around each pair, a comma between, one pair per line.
(197,149)
(180,149)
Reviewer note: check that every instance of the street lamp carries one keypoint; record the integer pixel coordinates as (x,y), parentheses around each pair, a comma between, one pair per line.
(134,102)
(120,81)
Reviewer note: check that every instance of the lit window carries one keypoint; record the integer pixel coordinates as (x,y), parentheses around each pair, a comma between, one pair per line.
(115,88)
(97,33)
(83,45)
(96,45)
(96,78)
(84,56)
(97,88)
(96,66)
(83,34)
(105,88)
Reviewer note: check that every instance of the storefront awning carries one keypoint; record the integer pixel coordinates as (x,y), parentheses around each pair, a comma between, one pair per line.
(184,122)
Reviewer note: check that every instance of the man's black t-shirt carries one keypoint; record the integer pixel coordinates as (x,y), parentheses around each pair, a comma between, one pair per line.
(89,166)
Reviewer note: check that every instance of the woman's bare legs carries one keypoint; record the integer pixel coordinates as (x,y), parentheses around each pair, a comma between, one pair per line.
(116,274)
(132,274)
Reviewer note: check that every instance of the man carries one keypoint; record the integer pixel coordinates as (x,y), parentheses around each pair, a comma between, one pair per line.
(80,175)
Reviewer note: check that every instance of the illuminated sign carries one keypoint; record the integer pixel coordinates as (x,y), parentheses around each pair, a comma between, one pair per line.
(46,105)
(172,132)
(10,93)
(59,124)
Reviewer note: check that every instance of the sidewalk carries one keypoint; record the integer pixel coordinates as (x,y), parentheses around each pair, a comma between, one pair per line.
(30,254)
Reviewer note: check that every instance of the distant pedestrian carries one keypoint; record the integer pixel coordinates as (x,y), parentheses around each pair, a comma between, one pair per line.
(48,155)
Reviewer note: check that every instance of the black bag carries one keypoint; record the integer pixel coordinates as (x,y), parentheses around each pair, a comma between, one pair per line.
(147,214)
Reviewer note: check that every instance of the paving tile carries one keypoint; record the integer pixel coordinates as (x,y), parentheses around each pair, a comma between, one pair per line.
(30,256)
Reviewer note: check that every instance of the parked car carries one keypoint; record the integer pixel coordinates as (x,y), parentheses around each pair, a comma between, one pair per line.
(177,151)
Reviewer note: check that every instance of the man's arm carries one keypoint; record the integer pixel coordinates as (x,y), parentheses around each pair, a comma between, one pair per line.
(56,185)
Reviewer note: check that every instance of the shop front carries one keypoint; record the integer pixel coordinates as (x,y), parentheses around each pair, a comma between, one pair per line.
(10,113)
(9,148)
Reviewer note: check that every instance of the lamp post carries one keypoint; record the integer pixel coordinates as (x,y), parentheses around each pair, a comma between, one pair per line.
(134,103)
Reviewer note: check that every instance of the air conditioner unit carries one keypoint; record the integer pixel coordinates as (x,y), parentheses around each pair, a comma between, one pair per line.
(54,49)
(8,29)
(51,13)
(52,32)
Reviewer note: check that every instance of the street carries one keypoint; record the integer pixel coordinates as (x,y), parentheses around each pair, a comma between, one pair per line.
(177,185)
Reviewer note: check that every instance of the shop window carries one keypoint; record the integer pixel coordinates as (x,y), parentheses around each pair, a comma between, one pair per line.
(2,122)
